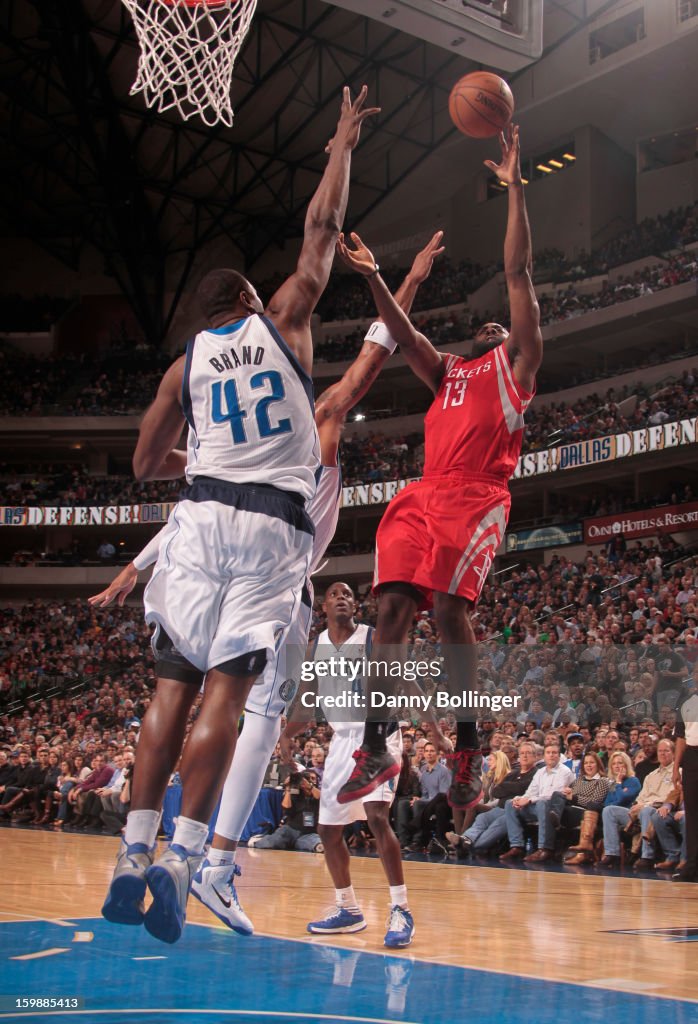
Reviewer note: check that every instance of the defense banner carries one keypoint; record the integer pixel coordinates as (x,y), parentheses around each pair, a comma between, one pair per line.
(86,515)
(645,523)
(599,450)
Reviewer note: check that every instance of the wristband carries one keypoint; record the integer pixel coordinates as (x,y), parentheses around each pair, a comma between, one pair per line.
(373,273)
(379,334)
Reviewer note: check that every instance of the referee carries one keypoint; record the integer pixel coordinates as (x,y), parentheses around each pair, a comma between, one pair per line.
(686,758)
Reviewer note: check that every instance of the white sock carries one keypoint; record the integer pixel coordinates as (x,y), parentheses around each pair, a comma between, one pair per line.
(142,827)
(398,896)
(217,858)
(192,835)
(346,898)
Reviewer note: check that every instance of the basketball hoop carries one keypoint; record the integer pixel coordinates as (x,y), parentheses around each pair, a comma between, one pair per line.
(188,50)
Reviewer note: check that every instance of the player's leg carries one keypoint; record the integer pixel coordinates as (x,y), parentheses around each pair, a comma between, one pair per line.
(205,763)
(346,916)
(401,923)
(214,882)
(459,650)
(397,604)
(159,747)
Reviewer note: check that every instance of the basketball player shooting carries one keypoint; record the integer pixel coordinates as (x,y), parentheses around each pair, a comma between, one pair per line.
(236,551)
(438,537)
(214,882)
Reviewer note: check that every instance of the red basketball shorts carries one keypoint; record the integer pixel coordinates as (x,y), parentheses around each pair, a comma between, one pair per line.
(442,534)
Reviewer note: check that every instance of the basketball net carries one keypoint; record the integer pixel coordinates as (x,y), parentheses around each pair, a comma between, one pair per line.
(188,50)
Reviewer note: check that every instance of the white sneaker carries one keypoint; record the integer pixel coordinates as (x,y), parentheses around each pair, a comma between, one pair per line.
(214,886)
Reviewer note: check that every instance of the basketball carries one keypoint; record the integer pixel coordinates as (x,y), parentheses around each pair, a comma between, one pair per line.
(481,104)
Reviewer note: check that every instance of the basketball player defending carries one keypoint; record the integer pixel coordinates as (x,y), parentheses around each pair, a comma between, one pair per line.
(214,883)
(233,562)
(345,638)
(438,537)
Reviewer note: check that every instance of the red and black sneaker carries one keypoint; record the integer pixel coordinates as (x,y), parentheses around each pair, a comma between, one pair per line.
(371,770)
(466,779)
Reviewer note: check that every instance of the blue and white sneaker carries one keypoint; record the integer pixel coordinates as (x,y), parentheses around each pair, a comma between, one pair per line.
(400,928)
(338,921)
(169,881)
(125,902)
(215,888)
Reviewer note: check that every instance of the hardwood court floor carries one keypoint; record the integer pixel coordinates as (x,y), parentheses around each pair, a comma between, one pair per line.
(554,926)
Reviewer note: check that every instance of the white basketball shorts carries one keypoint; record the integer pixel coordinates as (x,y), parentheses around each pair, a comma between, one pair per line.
(277,685)
(339,766)
(232,564)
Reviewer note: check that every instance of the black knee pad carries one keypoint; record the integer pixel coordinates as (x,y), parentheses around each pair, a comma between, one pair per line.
(170,664)
(250,664)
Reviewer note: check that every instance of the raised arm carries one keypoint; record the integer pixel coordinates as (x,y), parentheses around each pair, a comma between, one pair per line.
(525,342)
(333,405)
(420,355)
(291,306)
(161,427)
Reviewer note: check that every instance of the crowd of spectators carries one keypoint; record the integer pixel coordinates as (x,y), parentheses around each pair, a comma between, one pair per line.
(596,652)
(570,302)
(347,298)
(563,304)
(121,383)
(663,233)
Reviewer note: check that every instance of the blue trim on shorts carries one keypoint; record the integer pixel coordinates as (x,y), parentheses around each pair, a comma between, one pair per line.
(262,498)
(305,378)
(186,392)
(305,596)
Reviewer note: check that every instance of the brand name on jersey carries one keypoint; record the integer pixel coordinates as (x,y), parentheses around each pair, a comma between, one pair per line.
(463,373)
(246,357)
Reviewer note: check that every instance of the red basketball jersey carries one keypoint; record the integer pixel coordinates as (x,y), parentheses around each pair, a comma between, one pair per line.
(475,424)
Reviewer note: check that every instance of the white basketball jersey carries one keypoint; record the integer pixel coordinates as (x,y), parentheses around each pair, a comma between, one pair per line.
(357,647)
(250,408)
(323,510)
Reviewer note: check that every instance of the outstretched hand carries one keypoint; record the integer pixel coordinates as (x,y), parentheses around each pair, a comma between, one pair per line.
(118,589)
(509,169)
(360,259)
(424,260)
(351,118)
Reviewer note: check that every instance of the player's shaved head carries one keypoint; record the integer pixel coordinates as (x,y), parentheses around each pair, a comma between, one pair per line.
(226,293)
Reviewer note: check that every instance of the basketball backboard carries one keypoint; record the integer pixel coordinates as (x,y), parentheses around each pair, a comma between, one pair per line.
(503,34)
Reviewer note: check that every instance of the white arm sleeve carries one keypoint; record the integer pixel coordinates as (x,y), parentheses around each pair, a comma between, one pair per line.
(150,552)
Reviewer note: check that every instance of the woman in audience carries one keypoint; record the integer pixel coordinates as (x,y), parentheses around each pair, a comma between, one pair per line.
(625,785)
(586,796)
(69,777)
(498,767)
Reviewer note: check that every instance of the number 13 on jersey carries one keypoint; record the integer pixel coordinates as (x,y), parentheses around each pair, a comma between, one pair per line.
(225,393)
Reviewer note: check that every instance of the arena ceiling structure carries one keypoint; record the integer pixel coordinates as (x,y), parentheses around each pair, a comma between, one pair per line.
(83,161)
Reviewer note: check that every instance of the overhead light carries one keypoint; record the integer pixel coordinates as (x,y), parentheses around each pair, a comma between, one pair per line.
(358,417)
(544,169)
(525,180)
(555,163)
(505,183)
(568,156)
